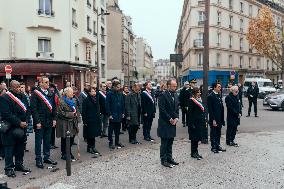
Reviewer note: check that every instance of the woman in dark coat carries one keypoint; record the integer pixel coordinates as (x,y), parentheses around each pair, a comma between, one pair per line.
(91,120)
(67,120)
(195,121)
(233,115)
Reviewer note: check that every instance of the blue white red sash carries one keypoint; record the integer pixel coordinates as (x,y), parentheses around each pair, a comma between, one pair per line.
(74,109)
(149,96)
(198,104)
(103,94)
(18,101)
(45,100)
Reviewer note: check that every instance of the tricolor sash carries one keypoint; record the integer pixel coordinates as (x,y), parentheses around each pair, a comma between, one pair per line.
(74,109)
(17,100)
(45,100)
(149,96)
(103,94)
(198,104)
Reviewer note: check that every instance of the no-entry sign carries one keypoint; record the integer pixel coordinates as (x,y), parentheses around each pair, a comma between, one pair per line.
(8,69)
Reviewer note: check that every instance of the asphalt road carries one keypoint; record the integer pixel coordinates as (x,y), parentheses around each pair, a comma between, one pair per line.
(268,121)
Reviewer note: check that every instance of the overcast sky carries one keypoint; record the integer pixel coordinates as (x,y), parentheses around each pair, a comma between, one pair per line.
(155,20)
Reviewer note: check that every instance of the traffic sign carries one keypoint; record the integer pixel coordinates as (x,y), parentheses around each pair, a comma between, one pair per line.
(8,69)
(8,76)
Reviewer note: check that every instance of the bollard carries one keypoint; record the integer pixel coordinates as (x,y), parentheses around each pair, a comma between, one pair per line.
(68,154)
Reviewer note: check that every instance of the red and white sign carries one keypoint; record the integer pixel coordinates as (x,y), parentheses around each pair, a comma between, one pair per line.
(8,69)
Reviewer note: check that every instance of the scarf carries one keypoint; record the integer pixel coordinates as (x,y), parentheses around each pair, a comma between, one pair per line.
(70,103)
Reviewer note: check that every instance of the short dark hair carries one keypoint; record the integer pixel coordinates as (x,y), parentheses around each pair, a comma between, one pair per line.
(115,83)
(214,85)
(195,90)
(169,82)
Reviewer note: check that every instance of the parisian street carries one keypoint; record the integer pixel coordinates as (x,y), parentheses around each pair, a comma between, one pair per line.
(257,163)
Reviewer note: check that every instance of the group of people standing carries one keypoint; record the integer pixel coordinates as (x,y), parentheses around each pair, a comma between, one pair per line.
(55,113)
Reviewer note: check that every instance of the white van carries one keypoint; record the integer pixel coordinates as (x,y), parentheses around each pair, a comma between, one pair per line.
(265,86)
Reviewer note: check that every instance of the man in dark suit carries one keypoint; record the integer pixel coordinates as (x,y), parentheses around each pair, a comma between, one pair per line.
(104,117)
(148,110)
(133,111)
(216,117)
(115,110)
(252,94)
(184,97)
(168,118)
(44,118)
(14,110)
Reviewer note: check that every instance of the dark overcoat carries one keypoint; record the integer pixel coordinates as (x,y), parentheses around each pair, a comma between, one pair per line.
(233,110)
(91,117)
(40,111)
(66,119)
(252,93)
(184,97)
(196,122)
(132,108)
(168,109)
(12,113)
(215,109)
(115,106)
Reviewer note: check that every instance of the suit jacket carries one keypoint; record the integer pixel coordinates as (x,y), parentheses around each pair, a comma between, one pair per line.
(148,105)
(215,109)
(233,110)
(102,100)
(168,109)
(83,95)
(184,97)
(252,91)
(40,111)
(12,113)
(133,108)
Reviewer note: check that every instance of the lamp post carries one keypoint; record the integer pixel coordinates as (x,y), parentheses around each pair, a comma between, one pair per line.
(98,64)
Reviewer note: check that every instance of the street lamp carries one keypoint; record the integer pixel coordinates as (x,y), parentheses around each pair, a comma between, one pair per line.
(98,66)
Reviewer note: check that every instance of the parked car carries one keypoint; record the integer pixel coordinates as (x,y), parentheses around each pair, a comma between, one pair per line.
(275,100)
(265,86)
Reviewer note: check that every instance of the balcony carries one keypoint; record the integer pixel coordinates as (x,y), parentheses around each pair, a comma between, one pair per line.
(230,26)
(45,55)
(198,43)
(95,10)
(46,12)
(200,3)
(75,24)
(200,22)
(45,20)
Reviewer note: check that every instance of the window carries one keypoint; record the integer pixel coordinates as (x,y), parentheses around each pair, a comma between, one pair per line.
(201,17)
(94,28)
(267,64)
(218,39)
(219,18)
(44,45)
(250,10)
(231,22)
(258,63)
(102,16)
(88,25)
(241,7)
(241,61)
(76,52)
(230,4)
(89,3)
(199,59)
(74,15)
(45,7)
(103,70)
(199,41)
(95,6)
(218,59)
(241,43)
(230,61)
(249,62)
(103,57)
(230,41)
(278,22)
(241,25)
(103,34)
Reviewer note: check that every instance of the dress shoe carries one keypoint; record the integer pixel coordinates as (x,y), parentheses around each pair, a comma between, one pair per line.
(63,157)
(10,173)
(256,116)
(111,146)
(184,125)
(173,162)
(121,133)
(234,144)
(103,135)
(220,149)
(147,139)
(166,164)
(137,142)
(74,143)
(247,115)
(119,145)
(95,151)
(214,150)
(50,161)
(204,141)
(22,168)
(196,156)
(152,140)
(53,147)
(39,165)
(133,142)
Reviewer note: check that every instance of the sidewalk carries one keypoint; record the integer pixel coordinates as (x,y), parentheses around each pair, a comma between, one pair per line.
(257,163)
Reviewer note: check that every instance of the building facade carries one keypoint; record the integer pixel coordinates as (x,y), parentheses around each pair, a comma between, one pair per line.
(59,39)
(230,55)
(162,70)
(122,45)
(144,60)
